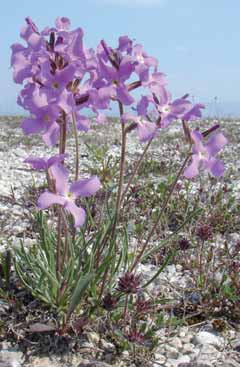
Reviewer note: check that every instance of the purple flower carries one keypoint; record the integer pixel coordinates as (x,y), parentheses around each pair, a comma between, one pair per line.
(125,44)
(43,122)
(146,130)
(66,195)
(114,77)
(62,23)
(44,163)
(143,62)
(155,82)
(21,63)
(203,156)
(168,109)
(193,113)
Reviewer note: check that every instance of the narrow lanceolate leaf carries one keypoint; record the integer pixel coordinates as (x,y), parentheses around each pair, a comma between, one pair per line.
(79,292)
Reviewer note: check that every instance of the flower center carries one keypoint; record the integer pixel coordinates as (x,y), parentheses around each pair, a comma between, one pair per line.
(140,58)
(46,118)
(69,195)
(55,85)
(202,155)
(166,109)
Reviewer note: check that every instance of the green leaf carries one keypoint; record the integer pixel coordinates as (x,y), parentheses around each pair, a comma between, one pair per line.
(79,292)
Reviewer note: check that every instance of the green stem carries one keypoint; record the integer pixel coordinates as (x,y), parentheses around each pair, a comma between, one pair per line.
(125,314)
(76,146)
(136,169)
(66,245)
(122,167)
(62,147)
(58,249)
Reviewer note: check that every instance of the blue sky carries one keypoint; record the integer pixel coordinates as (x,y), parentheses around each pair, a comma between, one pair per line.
(196,42)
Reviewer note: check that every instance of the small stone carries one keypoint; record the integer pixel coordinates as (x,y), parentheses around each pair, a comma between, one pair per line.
(183,359)
(171,352)
(93,364)
(176,343)
(107,345)
(231,363)
(93,337)
(188,348)
(203,338)
(10,357)
(43,362)
(179,267)
(188,339)
(159,358)
(208,350)
(204,362)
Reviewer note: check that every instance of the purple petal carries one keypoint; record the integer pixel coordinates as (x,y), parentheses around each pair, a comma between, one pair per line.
(101,118)
(48,198)
(36,163)
(78,214)
(146,130)
(179,106)
(83,123)
(166,120)
(125,44)
(58,158)
(216,143)
(60,175)
(124,96)
(85,188)
(164,95)
(143,72)
(66,101)
(126,68)
(76,47)
(105,93)
(197,139)
(192,170)
(32,126)
(62,23)
(216,167)
(143,106)
(194,112)
(50,137)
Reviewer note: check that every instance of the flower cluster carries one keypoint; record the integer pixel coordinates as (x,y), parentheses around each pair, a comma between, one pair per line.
(62,77)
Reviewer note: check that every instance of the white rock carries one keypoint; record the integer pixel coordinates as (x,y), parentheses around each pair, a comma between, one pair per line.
(176,343)
(93,337)
(188,348)
(204,337)
(159,358)
(187,338)
(107,346)
(171,352)
(183,359)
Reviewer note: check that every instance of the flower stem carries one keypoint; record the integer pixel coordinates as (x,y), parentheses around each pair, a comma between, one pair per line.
(62,147)
(139,256)
(76,146)
(136,168)
(58,250)
(125,314)
(63,134)
(66,245)
(122,167)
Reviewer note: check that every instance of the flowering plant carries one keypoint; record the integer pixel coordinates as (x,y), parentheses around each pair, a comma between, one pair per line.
(62,79)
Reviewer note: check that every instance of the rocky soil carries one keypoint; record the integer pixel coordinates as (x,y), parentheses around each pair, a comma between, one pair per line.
(199,345)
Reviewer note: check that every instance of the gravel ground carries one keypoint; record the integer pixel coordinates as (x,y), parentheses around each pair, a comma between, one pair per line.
(198,345)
